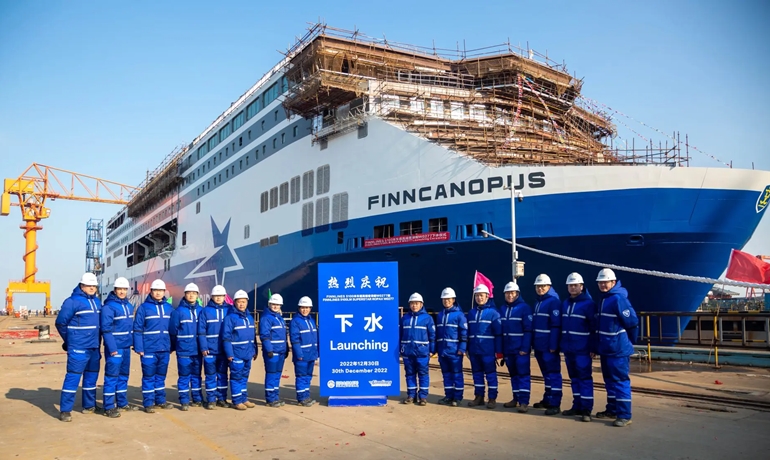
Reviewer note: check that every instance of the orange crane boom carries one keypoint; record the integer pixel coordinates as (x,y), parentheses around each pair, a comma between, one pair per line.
(32,188)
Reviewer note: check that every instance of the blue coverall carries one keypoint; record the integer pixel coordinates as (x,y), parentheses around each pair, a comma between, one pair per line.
(516,320)
(272,333)
(484,342)
(418,342)
(616,322)
(183,329)
(451,346)
(78,326)
(117,324)
(304,344)
(152,342)
(239,341)
(547,331)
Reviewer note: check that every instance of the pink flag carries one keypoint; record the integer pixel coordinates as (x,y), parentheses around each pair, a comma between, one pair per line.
(228,300)
(481,279)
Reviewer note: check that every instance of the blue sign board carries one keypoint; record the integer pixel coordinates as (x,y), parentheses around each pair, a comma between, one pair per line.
(358,326)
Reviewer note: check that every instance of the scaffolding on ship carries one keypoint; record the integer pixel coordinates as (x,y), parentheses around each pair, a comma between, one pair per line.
(500,105)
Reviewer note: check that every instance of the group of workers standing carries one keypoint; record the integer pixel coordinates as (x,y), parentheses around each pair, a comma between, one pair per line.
(220,339)
(578,327)
(215,340)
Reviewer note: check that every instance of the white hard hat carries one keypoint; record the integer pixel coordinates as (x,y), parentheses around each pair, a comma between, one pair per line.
(574,278)
(415,297)
(305,302)
(192,287)
(543,280)
(606,274)
(512,286)
(89,279)
(481,288)
(121,283)
(448,293)
(159,285)
(276,299)
(218,290)
(241,294)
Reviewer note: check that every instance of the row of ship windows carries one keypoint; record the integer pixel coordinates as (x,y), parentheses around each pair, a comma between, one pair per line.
(259,103)
(246,235)
(414,227)
(202,169)
(146,226)
(290,190)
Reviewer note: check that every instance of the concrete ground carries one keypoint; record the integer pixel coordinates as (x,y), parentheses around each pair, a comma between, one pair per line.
(32,374)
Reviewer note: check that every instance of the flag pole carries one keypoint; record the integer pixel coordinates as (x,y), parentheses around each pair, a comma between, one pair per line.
(255,303)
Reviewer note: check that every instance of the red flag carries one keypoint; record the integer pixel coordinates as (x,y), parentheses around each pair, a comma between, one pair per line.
(747,268)
(481,279)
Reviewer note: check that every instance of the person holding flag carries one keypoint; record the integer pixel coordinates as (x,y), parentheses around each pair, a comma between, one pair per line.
(484,342)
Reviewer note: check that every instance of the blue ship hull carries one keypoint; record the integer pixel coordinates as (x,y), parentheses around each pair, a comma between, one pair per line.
(687,231)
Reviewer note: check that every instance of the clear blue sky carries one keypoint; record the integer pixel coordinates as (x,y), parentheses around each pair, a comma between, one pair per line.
(110,88)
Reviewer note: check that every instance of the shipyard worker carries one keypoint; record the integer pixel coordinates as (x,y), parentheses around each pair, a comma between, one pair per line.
(117,324)
(451,345)
(239,341)
(546,323)
(516,321)
(272,333)
(304,344)
(418,342)
(214,360)
(183,330)
(78,326)
(484,344)
(615,316)
(578,328)
(152,343)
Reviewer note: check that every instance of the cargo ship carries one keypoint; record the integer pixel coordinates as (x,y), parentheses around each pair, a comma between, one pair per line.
(354,148)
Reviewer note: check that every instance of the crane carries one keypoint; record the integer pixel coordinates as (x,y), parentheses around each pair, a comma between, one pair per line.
(33,188)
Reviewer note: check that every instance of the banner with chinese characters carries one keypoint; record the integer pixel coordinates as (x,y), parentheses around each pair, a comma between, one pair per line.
(358,326)
(407,239)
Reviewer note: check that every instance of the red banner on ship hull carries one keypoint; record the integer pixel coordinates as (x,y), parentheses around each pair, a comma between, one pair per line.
(407,239)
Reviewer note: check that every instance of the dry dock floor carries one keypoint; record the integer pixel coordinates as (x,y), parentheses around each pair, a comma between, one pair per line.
(31,376)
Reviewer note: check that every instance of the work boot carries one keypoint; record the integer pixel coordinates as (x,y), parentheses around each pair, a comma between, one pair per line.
(306,402)
(445,401)
(196,404)
(281,403)
(492,403)
(90,410)
(586,417)
(605,414)
(570,412)
(540,405)
(523,409)
(553,410)
(185,407)
(621,422)
(165,405)
(149,409)
(128,408)
(511,404)
(454,403)
(421,402)
(274,404)
(240,406)
(210,406)
(477,401)
(65,416)
(112,413)
(407,400)
(223,403)
(249,404)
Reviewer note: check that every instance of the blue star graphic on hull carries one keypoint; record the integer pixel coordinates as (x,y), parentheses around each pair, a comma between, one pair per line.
(221,261)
